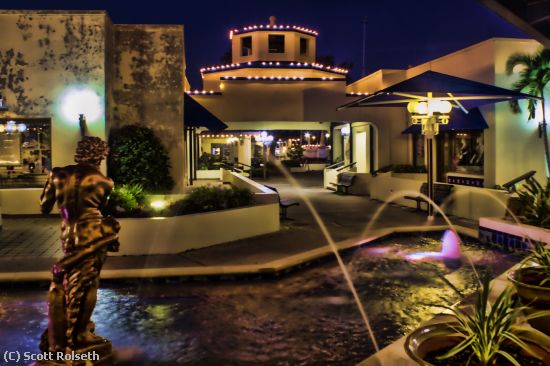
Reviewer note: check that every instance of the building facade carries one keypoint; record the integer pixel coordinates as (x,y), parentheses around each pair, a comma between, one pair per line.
(59,64)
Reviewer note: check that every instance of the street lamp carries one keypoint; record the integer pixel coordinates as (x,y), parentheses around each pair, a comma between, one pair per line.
(430,113)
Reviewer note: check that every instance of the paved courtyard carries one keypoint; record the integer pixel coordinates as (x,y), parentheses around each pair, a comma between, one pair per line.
(31,244)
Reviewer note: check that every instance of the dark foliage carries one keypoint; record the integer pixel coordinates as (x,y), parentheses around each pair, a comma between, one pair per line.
(137,156)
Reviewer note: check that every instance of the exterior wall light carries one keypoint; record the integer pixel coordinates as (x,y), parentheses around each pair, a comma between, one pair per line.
(158,204)
(10,127)
(81,100)
(346,130)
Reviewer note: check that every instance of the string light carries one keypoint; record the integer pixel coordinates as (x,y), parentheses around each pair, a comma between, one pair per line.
(275,64)
(280,78)
(203,92)
(252,28)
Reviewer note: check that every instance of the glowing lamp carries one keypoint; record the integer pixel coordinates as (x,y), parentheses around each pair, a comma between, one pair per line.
(327,135)
(306,135)
(10,126)
(2,128)
(158,204)
(21,127)
(345,130)
(81,100)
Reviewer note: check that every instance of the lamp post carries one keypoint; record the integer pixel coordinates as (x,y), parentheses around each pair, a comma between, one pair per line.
(430,113)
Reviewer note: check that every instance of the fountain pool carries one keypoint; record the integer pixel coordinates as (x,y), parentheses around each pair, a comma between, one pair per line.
(305,318)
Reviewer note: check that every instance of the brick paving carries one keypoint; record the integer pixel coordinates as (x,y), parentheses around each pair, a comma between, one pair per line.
(30,237)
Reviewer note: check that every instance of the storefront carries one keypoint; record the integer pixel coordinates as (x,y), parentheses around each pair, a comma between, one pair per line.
(25,152)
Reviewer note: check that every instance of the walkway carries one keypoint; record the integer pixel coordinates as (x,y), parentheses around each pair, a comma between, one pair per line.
(28,246)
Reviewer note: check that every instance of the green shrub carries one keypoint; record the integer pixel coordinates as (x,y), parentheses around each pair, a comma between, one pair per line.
(209,198)
(137,156)
(534,203)
(126,199)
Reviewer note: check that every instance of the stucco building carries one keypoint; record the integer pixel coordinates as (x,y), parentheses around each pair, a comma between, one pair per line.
(59,64)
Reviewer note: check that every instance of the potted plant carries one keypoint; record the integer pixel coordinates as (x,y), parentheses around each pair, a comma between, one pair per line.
(532,283)
(484,334)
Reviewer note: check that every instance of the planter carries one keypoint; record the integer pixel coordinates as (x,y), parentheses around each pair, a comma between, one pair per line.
(526,282)
(439,337)
(171,235)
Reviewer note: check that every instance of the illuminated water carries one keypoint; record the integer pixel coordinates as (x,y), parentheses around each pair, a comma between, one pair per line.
(450,249)
(305,318)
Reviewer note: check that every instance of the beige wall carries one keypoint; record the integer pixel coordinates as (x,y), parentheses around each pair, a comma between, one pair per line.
(257,105)
(517,147)
(260,47)
(512,146)
(148,80)
(212,81)
(42,56)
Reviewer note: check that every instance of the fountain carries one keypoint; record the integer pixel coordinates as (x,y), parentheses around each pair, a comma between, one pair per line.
(449,253)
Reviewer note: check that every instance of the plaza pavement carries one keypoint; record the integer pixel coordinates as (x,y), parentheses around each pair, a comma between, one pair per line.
(29,245)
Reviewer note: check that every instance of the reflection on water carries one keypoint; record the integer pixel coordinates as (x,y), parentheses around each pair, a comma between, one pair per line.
(306,318)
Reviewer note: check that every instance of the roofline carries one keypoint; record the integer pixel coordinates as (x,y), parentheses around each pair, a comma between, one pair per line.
(57,11)
(478,44)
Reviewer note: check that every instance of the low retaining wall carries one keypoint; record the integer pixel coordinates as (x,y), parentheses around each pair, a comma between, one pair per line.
(170,235)
(209,174)
(468,202)
(21,201)
(510,235)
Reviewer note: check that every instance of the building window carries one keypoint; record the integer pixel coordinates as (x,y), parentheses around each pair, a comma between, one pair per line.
(304,42)
(246,46)
(461,153)
(25,152)
(276,43)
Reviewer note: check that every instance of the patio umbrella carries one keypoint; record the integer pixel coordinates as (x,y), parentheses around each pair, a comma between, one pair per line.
(462,93)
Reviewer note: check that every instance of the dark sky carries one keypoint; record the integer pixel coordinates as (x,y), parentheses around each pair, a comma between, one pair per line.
(399,32)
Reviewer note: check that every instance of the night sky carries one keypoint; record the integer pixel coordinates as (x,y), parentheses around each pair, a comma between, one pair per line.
(399,33)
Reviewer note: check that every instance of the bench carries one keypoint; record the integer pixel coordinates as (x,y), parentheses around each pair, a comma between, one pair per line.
(441,192)
(344,182)
(283,204)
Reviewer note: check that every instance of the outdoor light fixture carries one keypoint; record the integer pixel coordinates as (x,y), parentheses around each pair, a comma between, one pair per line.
(10,127)
(158,204)
(306,135)
(327,135)
(81,100)
(21,127)
(430,114)
(346,130)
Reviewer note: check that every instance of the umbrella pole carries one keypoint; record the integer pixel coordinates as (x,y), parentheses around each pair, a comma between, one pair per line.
(429,140)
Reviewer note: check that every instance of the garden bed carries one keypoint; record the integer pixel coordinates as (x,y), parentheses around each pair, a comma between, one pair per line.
(170,235)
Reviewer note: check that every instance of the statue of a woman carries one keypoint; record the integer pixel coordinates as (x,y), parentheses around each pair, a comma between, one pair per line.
(80,192)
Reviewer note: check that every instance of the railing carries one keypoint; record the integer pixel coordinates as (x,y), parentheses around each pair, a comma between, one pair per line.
(349,166)
(235,167)
(331,172)
(335,165)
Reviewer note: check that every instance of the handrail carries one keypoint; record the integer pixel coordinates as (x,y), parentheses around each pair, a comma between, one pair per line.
(511,185)
(333,166)
(347,166)
(243,164)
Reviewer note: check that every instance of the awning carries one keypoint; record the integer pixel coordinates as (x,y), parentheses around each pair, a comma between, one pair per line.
(458,121)
(468,93)
(195,115)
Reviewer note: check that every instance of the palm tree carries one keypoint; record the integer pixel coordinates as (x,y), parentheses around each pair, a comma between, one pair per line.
(533,78)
